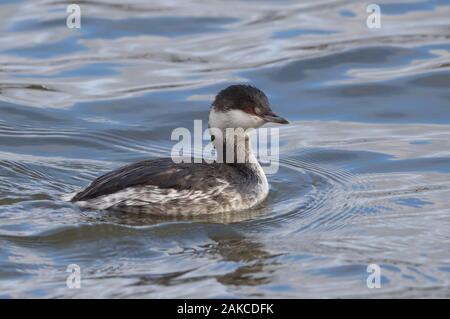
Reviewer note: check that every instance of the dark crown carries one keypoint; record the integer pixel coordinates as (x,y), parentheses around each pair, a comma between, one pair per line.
(239,97)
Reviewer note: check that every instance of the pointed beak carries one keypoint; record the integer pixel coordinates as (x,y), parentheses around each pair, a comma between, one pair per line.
(273,118)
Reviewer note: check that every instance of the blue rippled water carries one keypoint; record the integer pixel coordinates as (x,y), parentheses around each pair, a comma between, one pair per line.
(364,166)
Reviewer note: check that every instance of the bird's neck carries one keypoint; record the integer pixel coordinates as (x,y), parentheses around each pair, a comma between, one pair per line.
(234,147)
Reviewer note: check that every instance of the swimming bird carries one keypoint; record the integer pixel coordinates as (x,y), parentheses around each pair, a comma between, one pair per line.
(166,187)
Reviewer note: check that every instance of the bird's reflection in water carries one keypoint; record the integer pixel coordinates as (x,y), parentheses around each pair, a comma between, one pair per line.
(252,256)
(226,243)
(143,218)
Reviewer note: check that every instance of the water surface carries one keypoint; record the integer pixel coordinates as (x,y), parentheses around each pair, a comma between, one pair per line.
(364,167)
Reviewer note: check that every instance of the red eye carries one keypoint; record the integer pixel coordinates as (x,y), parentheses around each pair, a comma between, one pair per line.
(249,109)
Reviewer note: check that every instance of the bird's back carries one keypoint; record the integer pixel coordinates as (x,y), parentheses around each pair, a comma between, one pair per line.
(164,187)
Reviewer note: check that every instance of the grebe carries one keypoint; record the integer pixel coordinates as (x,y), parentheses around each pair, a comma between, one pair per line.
(162,186)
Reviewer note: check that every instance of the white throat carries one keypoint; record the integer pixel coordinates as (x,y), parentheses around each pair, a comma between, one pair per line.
(231,131)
